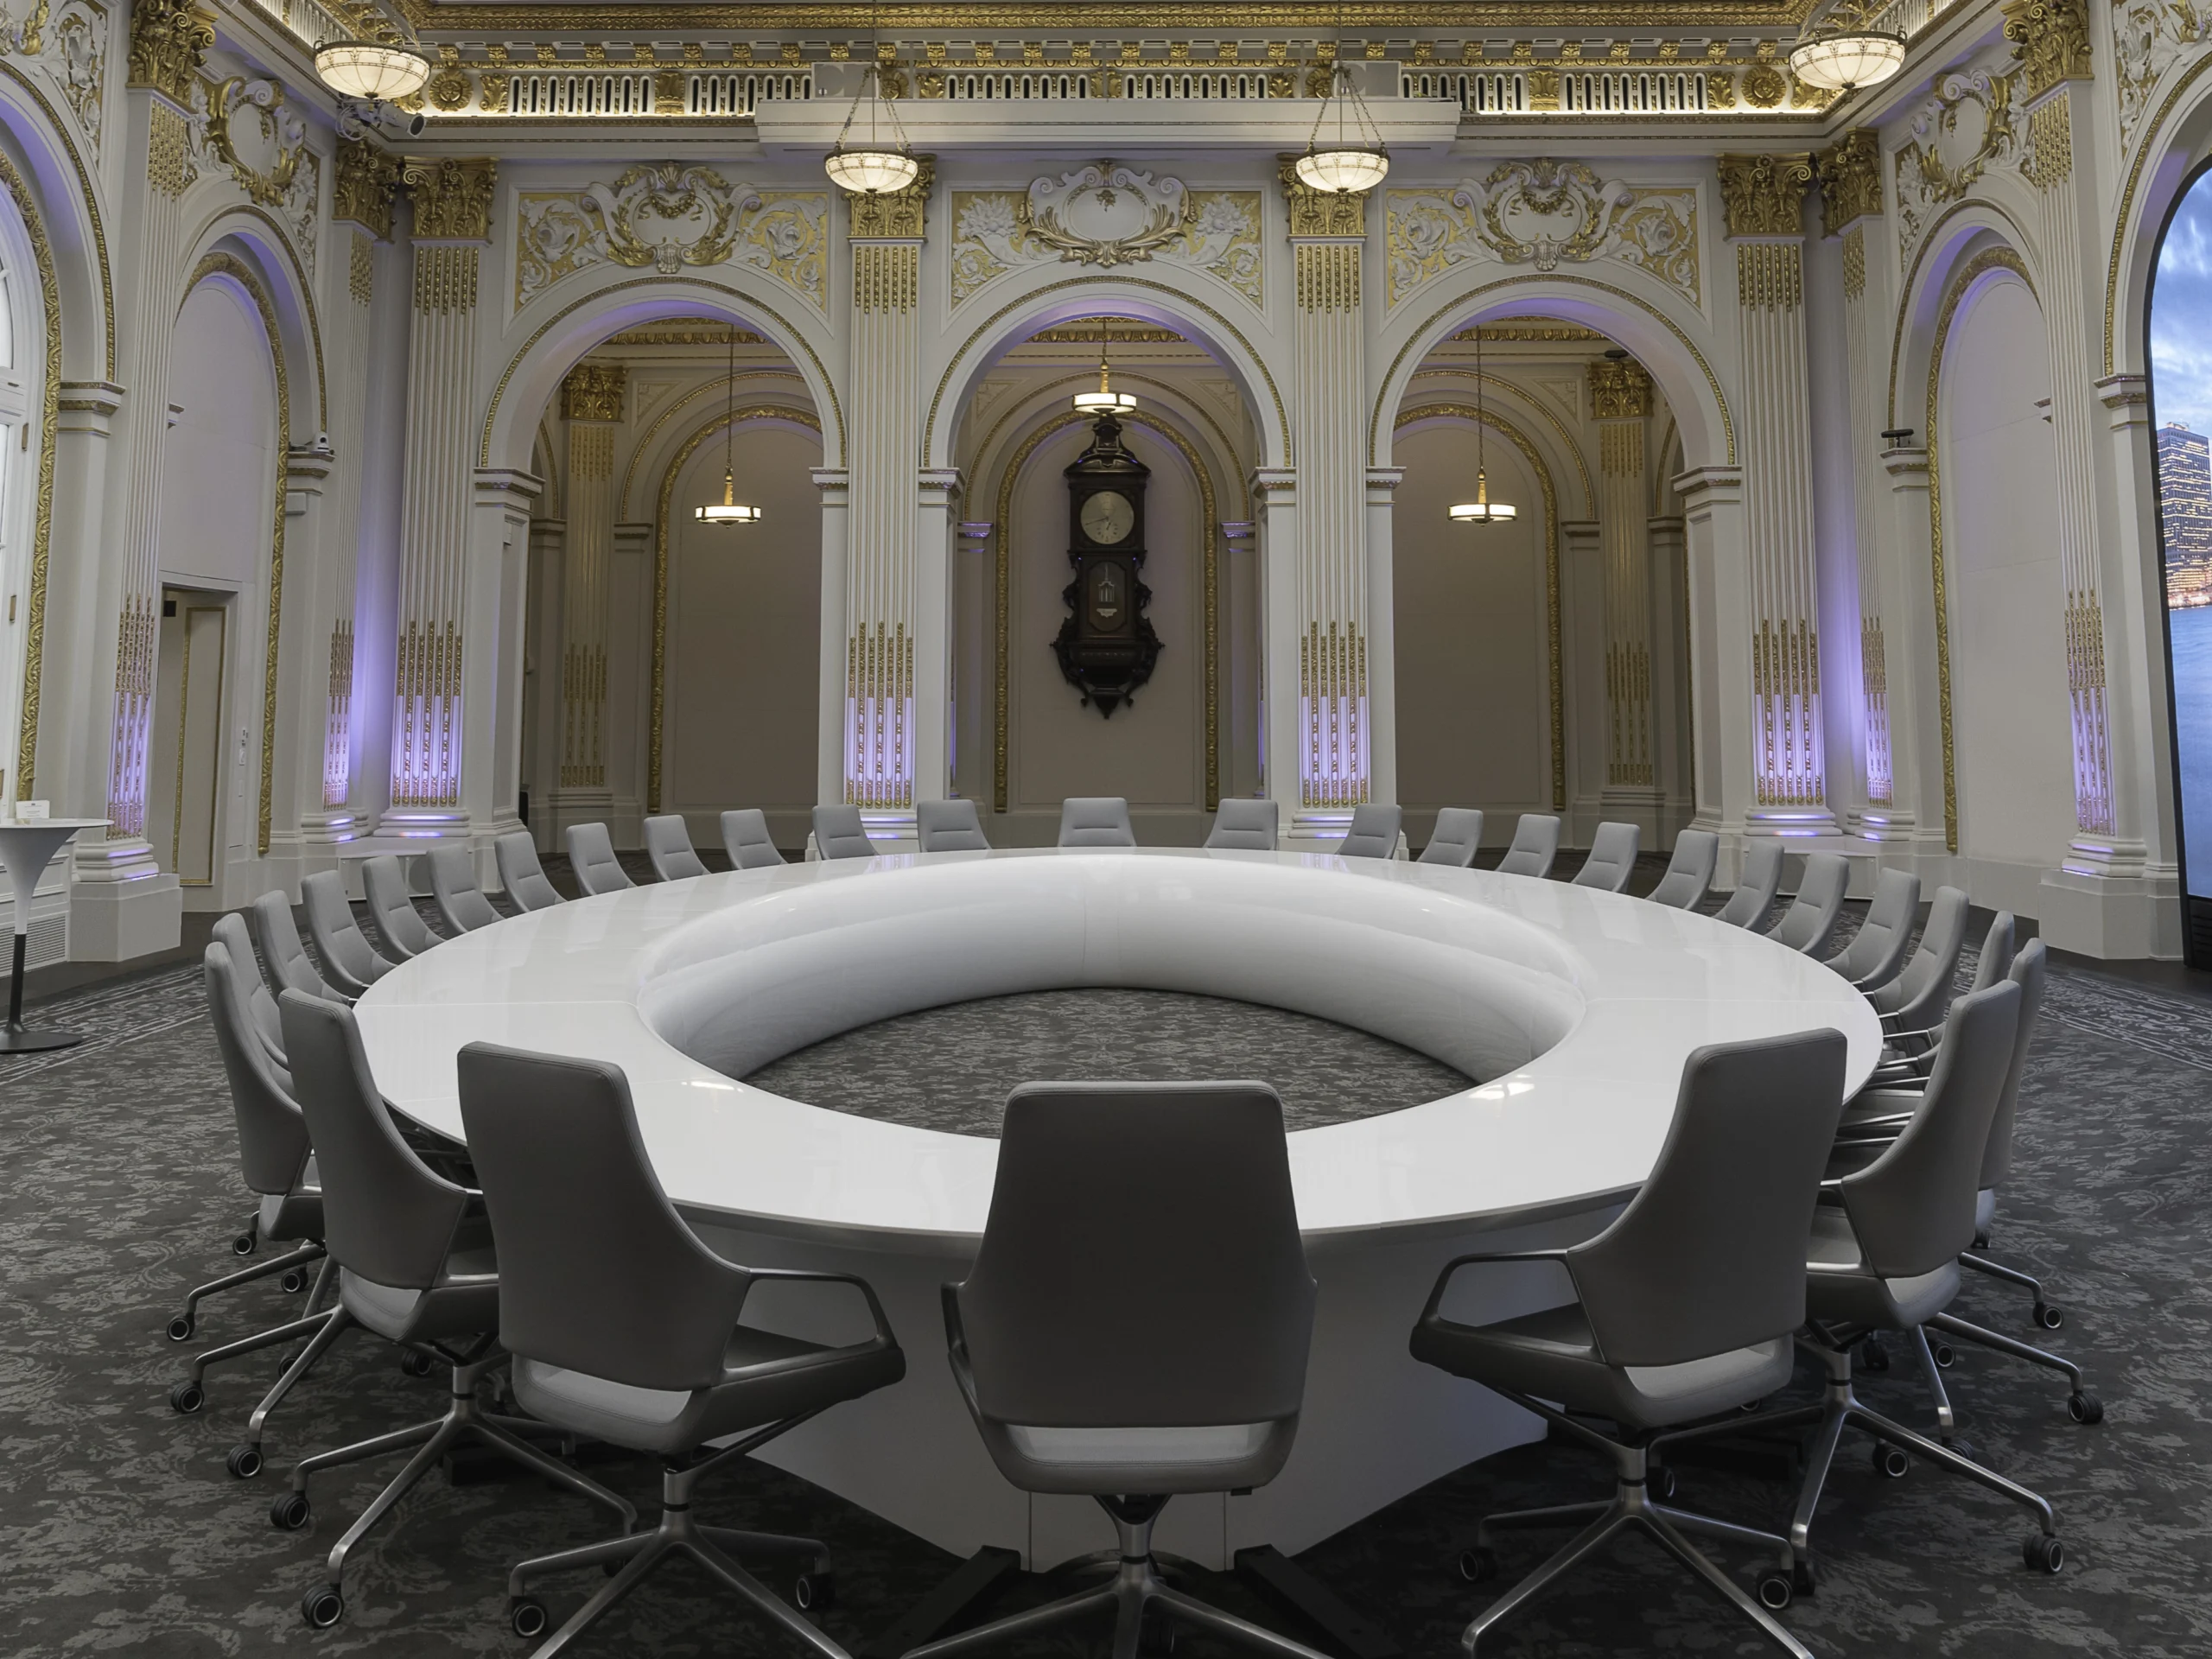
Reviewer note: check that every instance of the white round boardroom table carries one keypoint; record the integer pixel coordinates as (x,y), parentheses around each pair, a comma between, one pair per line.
(1574,1009)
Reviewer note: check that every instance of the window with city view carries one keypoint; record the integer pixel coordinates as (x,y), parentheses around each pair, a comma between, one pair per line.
(2181,370)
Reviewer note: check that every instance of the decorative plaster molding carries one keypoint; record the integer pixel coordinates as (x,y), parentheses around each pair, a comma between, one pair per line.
(361,193)
(1107,215)
(1619,391)
(250,130)
(1544,214)
(593,391)
(1320,212)
(452,196)
(70,44)
(668,215)
(1764,194)
(1850,174)
(2053,36)
(1968,126)
(168,42)
(895,214)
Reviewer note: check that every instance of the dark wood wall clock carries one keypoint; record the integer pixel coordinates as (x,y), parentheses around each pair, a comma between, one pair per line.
(1107,646)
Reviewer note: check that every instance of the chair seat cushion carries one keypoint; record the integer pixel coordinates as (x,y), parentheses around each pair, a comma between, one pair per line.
(1839,1287)
(1553,1354)
(766,1377)
(467,1305)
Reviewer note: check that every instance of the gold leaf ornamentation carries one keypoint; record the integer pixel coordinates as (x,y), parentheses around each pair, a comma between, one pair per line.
(894,213)
(2053,38)
(1320,212)
(1967,127)
(1851,179)
(168,42)
(1214,230)
(452,197)
(362,191)
(1764,194)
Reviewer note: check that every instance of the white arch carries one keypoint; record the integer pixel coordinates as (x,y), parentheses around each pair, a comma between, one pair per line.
(257,241)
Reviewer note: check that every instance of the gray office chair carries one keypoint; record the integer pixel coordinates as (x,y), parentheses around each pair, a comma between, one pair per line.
(1535,844)
(950,827)
(405,934)
(347,956)
(1908,1054)
(1244,826)
(1095,821)
(668,844)
(520,873)
(1884,1257)
(1811,914)
(624,1326)
(1683,1310)
(279,1168)
(1760,881)
(1456,839)
(1373,833)
(839,833)
(747,839)
(252,992)
(1128,1362)
(285,961)
(416,1267)
(453,884)
(1875,953)
(1612,858)
(1915,999)
(591,857)
(1689,872)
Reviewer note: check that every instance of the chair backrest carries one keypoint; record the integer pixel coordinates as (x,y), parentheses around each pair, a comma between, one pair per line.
(1913,1207)
(1095,821)
(272,1135)
(1811,914)
(252,992)
(1535,844)
(950,827)
(1877,952)
(1612,857)
(2027,972)
(1915,999)
(386,1216)
(1373,833)
(1456,839)
(1710,1254)
(453,884)
(591,857)
(1756,887)
(283,958)
(338,941)
(839,833)
(1244,826)
(520,873)
(1142,1265)
(1689,872)
(668,844)
(400,924)
(598,1273)
(1995,960)
(747,839)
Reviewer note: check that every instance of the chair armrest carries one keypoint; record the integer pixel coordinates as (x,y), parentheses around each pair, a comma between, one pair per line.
(1874,1128)
(883,1332)
(1444,1275)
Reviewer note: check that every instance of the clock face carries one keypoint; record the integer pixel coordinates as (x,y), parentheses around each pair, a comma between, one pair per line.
(1107,517)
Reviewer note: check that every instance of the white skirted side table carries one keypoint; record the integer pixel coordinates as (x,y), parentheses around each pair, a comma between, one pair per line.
(27,847)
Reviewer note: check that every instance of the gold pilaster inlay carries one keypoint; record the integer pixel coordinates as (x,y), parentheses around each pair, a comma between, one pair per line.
(1854,264)
(1332,680)
(1786,680)
(1770,275)
(168,142)
(428,680)
(1328,275)
(887,275)
(445,278)
(2051,142)
(361,270)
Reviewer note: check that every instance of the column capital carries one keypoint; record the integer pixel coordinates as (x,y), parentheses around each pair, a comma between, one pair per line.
(1709,486)
(168,42)
(452,196)
(88,406)
(940,485)
(1619,390)
(2053,38)
(1764,194)
(1331,215)
(832,481)
(361,189)
(1274,487)
(2127,397)
(1850,173)
(593,391)
(508,486)
(893,215)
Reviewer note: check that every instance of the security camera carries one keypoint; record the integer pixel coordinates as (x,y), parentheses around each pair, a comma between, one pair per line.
(358,117)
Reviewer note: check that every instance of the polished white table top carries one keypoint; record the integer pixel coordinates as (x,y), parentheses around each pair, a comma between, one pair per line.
(1578,1006)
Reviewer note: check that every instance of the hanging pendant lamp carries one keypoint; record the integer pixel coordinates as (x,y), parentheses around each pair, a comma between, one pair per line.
(1482,510)
(729,509)
(1353,156)
(875,167)
(1105,400)
(376,72)
(1846,60)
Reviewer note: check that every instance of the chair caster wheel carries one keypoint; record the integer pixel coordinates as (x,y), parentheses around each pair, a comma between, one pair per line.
(1155,1636)
(2043,1553)
(181,1327)
(412,1363)
(1479,1565)
(245,1460)
(815,1592)
(323,1606)
(186,1397)
(1803,1578)
(1776,1590)
(1964,1447)
(245,1243)
(2085,1408)
(293,1282)
(527,1617)
(1943,1355)
(2048,1317)
(289,1513)
(1872,1356)
(1890,1461)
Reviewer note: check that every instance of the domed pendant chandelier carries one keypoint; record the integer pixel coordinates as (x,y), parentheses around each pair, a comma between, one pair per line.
(1353,156)
(1843,60)
(376,72)
(874,168)
(729,509)
(1482,510)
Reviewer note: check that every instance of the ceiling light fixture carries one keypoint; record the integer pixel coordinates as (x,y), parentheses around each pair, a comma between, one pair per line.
(1354,158)
(875,167)
(729,509)
(1482,510)
(1105,400)
(376,72)
(1848,59)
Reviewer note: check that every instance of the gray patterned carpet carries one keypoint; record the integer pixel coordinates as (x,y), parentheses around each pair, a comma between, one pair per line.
(119,1531)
